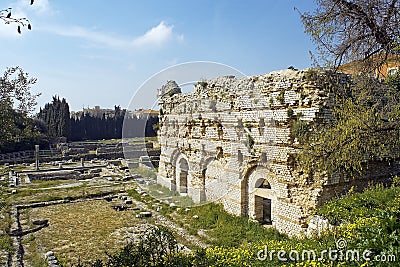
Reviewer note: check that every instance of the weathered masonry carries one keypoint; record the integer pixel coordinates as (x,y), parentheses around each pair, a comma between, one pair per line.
(231,140)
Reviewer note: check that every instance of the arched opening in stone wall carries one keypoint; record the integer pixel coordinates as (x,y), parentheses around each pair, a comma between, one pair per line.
(262,183)
(259,196)
(182,176)
(262,205)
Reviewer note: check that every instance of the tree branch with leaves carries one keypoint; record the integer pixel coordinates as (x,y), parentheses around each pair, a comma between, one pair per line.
(7,16)
(354,30)
(366,110)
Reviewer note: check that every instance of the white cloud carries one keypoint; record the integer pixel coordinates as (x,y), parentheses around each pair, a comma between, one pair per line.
(39,6)
(156,36)
(90,35)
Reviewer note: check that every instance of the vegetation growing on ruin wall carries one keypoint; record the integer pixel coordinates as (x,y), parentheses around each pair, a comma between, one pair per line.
(367,111)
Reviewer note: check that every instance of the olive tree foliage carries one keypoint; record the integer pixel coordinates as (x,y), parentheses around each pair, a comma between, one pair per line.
(351,30)
(15,89)
(8,18)
(365,128)
(366,110)
(16,103)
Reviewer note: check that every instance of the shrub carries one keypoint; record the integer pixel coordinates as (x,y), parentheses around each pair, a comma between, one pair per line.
(203,84)
(281,97)
(157,247)
(369,220)
(290,113)
(396,181)
(300,131)
(249,143)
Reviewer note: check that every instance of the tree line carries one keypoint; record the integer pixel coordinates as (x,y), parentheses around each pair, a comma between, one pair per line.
(112,126)
(20,129)
(87,126)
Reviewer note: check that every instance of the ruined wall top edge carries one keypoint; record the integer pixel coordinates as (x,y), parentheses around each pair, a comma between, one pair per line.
(266,88)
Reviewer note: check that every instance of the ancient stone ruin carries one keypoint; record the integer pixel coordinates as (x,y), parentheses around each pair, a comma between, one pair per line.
(232,140)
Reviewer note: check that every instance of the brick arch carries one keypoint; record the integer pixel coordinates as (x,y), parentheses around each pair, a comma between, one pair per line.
(176,162)
(182,175)
(251,191)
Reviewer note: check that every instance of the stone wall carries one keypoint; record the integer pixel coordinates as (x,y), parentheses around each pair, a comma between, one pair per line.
(231,141)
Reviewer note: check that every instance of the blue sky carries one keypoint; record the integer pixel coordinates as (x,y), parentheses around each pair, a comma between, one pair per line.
(97,52)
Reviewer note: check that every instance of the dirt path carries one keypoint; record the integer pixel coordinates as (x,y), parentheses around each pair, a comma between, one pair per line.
(181,232)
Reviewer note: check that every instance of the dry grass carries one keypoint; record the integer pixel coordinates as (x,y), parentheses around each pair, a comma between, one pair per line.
(80,230)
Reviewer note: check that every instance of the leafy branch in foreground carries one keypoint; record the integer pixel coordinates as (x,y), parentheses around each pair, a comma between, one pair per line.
(353,30)
(366,114)
(18,130)
(15,88)
(7,17)
(366,128)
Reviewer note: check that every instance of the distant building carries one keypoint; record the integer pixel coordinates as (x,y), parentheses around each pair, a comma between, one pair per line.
(96,112)
(390,67)
(99,112)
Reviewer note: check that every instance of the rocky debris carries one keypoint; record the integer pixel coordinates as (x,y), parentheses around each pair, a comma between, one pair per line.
(162,220)
(202,232)
(119,207)
(4,258)
(145,181)
(109,198)
(131,234)
(136,176)
(144,214)
(51,259)
(169,89)
(318,225)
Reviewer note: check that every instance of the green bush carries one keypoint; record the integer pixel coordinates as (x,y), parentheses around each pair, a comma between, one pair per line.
(369,220)
(281,97)
(396,181)
(301,131)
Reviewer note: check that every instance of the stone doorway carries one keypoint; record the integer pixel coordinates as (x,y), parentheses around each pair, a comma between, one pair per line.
(261,197)
(263,210)
(266,211)
(183,176)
